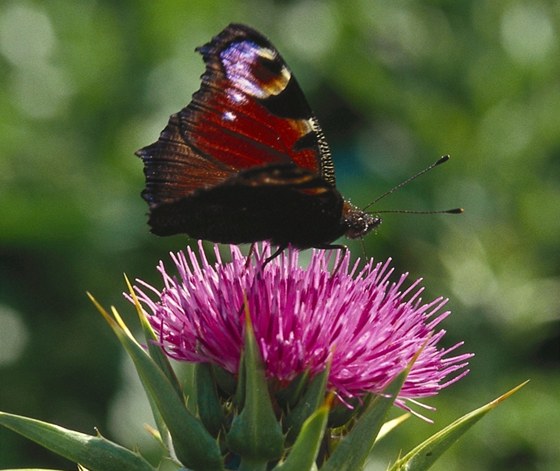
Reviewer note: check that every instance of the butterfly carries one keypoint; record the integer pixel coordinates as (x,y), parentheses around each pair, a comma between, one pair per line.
(246,160)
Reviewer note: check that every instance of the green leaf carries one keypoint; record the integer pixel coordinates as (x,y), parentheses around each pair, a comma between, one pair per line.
(193,445)
(341,415)
(225,380)
(210,408)
(307,404)
(255,433)
(304,452)
(424,455)
(239,396)
(154,350)
(94,452)
(353,450)
(291,394)
(392,424)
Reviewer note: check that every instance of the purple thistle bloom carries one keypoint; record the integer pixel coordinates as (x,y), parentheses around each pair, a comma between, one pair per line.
(367,326)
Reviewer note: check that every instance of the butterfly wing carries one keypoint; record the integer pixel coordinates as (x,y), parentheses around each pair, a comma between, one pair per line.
(249,113)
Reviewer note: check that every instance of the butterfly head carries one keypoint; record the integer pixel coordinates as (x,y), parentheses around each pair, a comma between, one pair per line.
(358,222)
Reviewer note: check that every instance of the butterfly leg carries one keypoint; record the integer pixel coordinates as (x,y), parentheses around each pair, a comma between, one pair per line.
(340,247)
(249,254)
(278,251)
(252,251)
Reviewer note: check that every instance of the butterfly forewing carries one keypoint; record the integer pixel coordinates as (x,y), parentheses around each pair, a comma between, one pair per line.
(249,112)
(174,169)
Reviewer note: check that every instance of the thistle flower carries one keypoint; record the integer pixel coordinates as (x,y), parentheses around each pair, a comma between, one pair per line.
(285,334)
(365,325)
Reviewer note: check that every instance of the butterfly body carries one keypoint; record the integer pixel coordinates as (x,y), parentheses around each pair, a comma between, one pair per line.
(246,160)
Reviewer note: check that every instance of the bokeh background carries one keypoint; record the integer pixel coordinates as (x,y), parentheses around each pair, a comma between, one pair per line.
(395,84)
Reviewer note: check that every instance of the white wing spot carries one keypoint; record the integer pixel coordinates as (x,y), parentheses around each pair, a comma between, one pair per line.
(229,116)
(235,96)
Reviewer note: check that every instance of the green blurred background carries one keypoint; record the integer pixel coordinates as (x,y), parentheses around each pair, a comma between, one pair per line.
(395,84)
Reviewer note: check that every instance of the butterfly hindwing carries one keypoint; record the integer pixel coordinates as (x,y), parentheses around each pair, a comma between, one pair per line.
(281,203)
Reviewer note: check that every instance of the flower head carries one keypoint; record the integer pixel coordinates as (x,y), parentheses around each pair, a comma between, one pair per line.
(367,326)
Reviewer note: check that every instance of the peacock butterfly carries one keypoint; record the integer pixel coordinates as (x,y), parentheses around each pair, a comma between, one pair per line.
(246,160)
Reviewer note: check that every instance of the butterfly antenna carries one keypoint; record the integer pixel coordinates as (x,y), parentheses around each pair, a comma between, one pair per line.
(412,211)
(439,161)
